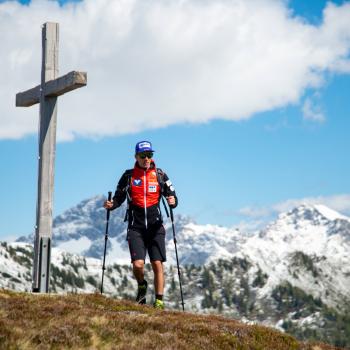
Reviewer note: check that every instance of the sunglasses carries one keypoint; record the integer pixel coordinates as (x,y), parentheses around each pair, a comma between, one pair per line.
(143,155)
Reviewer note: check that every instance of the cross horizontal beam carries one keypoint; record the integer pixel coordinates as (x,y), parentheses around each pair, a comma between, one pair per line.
(53,88)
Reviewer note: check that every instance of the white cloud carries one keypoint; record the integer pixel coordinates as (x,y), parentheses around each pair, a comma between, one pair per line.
(255,212)
(155,63)
(340,203)
(312,112)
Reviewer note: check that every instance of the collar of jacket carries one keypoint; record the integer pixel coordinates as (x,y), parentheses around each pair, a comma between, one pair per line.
(152,166)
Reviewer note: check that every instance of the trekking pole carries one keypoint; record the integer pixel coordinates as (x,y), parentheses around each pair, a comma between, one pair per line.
(106,239)
(177,258)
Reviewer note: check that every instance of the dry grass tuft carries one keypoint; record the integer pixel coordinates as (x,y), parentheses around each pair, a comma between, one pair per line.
(91,321)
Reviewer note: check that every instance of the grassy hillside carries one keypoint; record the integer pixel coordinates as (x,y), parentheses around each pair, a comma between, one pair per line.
(91,321)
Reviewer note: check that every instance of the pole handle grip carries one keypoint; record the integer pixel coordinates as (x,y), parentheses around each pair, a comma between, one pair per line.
(109,199)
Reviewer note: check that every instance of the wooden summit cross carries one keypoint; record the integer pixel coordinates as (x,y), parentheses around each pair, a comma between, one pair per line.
(46,94)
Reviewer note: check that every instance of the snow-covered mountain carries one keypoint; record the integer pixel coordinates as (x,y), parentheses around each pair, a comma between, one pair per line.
(313,236)
(81,230)
(317,235)
(315,230)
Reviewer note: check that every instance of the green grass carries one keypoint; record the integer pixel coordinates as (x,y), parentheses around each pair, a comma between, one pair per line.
(92,321)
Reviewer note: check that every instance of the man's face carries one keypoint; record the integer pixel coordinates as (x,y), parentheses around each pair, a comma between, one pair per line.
(144,159)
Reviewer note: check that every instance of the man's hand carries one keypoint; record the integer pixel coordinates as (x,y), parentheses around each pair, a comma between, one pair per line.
(171,200)
(108,204)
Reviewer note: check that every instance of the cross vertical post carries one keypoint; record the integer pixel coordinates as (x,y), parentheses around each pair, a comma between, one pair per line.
(46,94)
(46,170)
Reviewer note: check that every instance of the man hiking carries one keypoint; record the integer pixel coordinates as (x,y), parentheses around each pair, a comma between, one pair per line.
(143,186)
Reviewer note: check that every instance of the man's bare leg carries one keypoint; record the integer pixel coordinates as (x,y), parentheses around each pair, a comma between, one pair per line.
(138,269)
(158,271)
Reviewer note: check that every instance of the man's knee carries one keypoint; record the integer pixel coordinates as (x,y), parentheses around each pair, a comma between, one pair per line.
(138,264)
(157,265)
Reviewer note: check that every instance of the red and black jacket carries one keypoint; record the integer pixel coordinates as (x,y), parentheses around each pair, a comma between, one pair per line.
(144,189)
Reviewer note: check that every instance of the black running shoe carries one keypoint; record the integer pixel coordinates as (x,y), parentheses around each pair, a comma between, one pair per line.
(141,293)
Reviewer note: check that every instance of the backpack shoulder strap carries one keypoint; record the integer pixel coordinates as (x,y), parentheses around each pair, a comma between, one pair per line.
(160,178)
(128,174)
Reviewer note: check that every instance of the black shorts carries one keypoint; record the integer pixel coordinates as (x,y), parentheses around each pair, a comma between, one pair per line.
(151,240)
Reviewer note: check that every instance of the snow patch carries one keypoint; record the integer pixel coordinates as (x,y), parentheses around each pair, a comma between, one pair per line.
(75,246)
(117,253)
(330,214)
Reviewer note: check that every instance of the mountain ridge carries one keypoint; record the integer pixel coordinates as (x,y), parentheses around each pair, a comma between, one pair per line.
(314,233)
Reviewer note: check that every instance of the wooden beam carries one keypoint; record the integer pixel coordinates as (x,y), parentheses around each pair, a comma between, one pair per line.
(53,88)
(28,98)
(71,81)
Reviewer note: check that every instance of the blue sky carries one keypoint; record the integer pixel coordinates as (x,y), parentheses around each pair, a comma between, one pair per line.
(227,169)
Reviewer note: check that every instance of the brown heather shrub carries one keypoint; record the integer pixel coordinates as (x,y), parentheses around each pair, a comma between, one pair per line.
(91,321)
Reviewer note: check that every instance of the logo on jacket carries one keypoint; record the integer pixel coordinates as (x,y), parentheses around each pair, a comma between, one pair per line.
(137,182)
(152,188)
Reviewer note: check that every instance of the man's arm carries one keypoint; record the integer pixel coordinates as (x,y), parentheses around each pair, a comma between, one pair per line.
(169,192)
(119,194)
